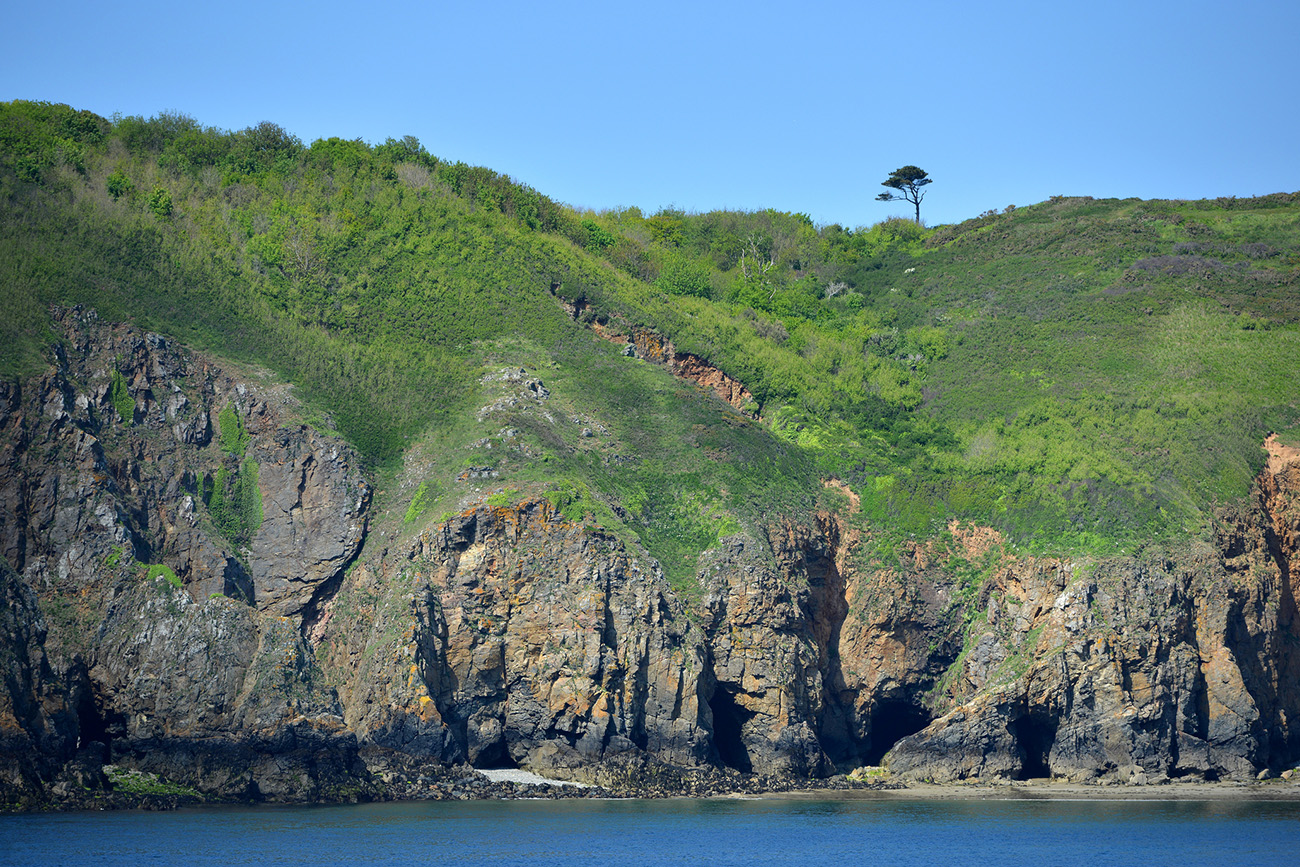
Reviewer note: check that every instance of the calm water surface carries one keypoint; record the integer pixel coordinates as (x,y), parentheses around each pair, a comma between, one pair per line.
(607,833)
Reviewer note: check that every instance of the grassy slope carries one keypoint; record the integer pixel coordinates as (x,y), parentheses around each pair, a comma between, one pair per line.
(409,295)
(1135,351)
(1083,374)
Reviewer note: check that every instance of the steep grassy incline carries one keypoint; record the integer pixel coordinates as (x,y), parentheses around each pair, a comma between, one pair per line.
(397,305)
(1088,375)
(1131,355)
(1082,374)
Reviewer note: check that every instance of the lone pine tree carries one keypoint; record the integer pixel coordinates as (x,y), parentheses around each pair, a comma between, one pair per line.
(908,182)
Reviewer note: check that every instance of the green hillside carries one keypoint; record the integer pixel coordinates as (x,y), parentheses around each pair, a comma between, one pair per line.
(1083,374)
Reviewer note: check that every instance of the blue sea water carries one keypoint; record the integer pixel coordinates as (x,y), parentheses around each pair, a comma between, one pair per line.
(696,832)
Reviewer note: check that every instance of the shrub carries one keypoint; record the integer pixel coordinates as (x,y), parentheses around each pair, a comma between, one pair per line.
(233,434)
(121,398)
(419,503)
(161,570)
(119,185)
(160,202)
(136,782)
(264,146)
(234,502)
(502,499)
(597,238)
(681,275)
(196,148)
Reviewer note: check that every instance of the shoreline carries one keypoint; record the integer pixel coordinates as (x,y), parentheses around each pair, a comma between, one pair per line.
(1031,790)
(512,785)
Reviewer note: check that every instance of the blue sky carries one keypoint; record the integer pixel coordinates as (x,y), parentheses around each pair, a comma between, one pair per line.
(801,107)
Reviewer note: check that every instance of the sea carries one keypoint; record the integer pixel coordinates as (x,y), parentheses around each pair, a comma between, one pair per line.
(726,831)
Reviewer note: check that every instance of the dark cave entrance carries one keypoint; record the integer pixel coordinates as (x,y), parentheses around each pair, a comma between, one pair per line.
(729,721)
(97,725)
(1034,738)
(493,757)
(487,743)
(891,721)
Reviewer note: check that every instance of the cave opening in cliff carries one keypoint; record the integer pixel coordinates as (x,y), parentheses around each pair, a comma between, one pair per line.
(891,721)
(494,757)
(94,726)
(729,721)
(1034,736)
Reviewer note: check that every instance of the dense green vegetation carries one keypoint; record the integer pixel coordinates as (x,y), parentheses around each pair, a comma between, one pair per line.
(137,782)
(121,398)
(232,434)
(234,502)
(165,572)
(1082,374)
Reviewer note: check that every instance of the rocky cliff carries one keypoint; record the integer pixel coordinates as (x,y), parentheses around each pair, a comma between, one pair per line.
(166,529)
(1176,665)
(509,636)
(188,591)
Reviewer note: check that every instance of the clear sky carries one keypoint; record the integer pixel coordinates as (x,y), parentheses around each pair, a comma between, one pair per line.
(796,106)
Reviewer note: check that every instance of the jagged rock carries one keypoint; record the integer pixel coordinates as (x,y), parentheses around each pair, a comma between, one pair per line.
(1161,667)
(314,504)
(38,725)
(95,485)
(218,696)
(770,659)
(71,505)
(520,638)
(511,636)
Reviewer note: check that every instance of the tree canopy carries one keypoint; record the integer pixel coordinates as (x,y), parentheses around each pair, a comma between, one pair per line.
(907,181)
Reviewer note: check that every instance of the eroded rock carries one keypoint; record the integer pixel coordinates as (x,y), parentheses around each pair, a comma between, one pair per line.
(513,637)
(148,644)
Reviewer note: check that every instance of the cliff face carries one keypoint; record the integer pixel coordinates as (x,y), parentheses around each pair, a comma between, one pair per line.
(258,665)
(169,534)
(773,622)
(1137,670)
(510,636)
(38,724)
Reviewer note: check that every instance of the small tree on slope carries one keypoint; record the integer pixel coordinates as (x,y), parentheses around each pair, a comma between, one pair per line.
(908,182)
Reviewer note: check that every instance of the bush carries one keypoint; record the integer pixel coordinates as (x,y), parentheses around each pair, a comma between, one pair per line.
(119,185)
(419,503)
(155,133)
(680,275)
(196,148)
(234,502)
(121,398)
(233,435)
(160,570)
(598,239)
(160,202)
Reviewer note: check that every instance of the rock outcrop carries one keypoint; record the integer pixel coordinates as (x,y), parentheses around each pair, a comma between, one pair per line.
(113,454)
(510,636)
(38,723)
(1140,670)
(185,594)
(772,617)
(654,347)
(314,504)
(216,696)
(169,527)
